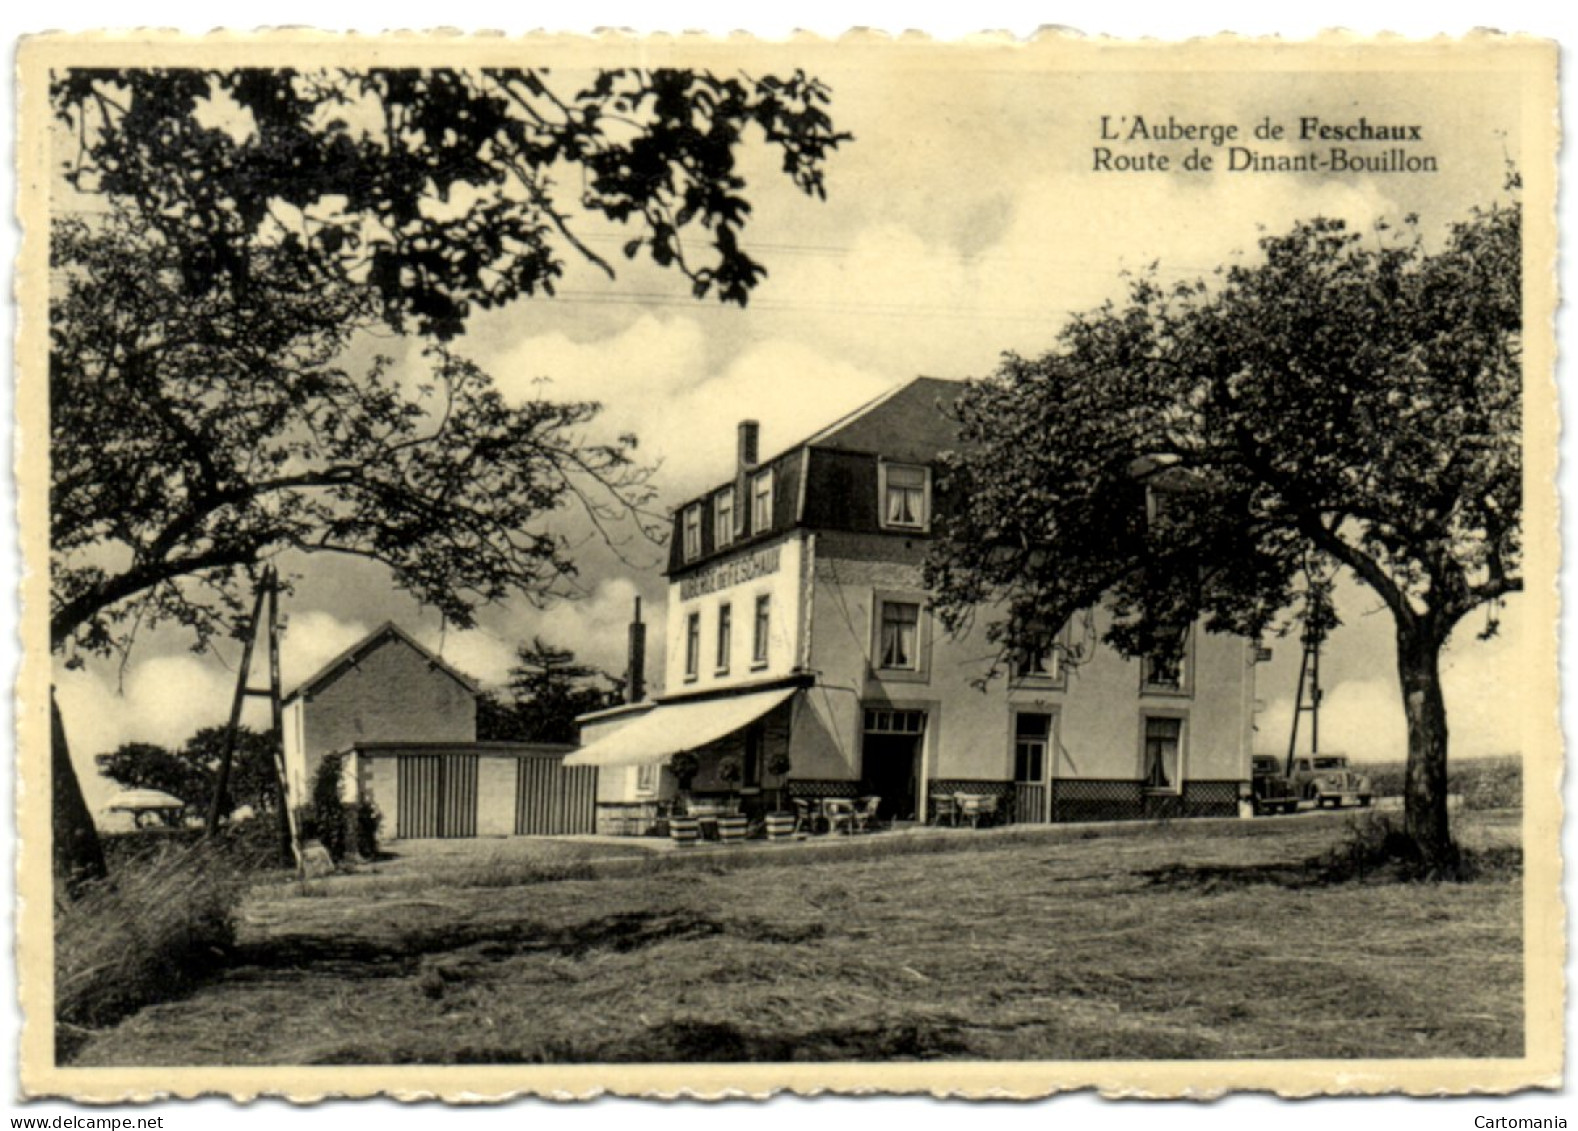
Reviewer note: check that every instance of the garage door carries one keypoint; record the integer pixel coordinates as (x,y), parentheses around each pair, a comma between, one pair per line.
(552,799)
(438,796)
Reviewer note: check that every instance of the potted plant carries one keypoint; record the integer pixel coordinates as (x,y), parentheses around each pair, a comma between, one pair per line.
(781,821)
(731,826)
(682,827)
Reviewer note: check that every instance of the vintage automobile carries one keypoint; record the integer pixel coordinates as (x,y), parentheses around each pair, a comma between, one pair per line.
(1326,779)
(1271,791)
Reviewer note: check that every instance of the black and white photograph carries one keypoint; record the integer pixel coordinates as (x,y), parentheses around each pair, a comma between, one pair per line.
(628,564)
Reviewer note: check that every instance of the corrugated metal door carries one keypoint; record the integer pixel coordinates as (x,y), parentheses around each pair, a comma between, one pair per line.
(552,799)
(438,796)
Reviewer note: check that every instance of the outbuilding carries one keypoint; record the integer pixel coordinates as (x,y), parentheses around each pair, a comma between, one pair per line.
(404,724)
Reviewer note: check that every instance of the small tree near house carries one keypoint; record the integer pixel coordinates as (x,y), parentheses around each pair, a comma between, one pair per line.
(684,766)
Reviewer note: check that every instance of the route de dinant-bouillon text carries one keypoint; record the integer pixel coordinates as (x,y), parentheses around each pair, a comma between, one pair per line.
(1224,147)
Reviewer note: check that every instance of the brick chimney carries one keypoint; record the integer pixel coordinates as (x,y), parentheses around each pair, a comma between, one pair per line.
(636,674)
(750,436)
(749,456)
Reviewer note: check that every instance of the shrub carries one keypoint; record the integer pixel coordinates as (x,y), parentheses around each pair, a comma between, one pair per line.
(1484,783)
(161,922)
(685,766)
(343,830)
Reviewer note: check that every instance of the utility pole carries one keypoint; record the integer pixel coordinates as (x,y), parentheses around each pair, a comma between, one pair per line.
(1319,619)
(267,598)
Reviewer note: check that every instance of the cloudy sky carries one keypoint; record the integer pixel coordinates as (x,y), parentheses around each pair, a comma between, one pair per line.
(964,219)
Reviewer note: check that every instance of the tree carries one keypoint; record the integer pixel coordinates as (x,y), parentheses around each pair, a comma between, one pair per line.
(1347,401)
(194,437)
(546,692)
(192,772)
(207,411)
(438,188)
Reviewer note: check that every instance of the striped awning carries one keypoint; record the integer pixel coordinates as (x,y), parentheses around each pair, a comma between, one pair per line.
(671,727)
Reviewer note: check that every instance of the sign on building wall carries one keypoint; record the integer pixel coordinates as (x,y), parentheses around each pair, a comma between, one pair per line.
(735,571)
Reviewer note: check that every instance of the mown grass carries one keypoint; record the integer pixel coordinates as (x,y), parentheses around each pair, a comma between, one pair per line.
(1170,942)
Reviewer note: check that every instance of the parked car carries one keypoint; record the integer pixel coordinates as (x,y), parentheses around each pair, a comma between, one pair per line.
(1327,779)
(1272,792)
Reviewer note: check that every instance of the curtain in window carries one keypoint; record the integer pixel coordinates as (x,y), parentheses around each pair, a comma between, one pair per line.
(899,625)
(906,503)
(1161,752)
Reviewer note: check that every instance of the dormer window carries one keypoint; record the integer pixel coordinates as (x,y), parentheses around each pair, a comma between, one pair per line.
(906,496)
(762,502)
(723,517)
(692,523)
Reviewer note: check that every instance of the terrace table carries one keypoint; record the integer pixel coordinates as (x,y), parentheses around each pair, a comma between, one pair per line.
(974,806)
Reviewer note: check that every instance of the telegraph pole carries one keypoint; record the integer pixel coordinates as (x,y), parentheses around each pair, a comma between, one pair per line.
(267,598)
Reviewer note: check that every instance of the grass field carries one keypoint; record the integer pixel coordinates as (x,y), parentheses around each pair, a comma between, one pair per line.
(1195,940)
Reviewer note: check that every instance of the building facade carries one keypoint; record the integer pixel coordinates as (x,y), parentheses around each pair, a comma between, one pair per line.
(797,611)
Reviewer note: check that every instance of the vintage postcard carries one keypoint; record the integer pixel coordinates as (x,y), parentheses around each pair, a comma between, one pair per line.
(684,565)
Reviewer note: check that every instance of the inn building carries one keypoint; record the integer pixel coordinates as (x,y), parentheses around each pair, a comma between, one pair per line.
(801,644)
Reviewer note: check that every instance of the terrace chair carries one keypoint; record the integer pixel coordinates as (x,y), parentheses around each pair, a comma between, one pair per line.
(839,813)
(945,809)
(866,813)
(804,816)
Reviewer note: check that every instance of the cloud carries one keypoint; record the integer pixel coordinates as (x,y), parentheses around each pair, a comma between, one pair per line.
(479,654)
(1362,716)
(655,380)
(596,628)
(313,638)
(653,357)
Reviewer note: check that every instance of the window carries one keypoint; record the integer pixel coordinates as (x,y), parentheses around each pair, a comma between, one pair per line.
(1166,669)
(692,645)
(647,779)
(692,533)
(764,612)
(762,502)
(880,721)
(723,517)
(1037,663)
(1162,741)
(904,496)
(1032,735)
(725,634)
(900,638)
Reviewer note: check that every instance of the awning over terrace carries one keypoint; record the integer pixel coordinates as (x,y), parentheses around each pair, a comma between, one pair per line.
(667,729)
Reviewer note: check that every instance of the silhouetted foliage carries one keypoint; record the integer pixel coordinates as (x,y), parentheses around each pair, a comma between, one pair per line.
(546,692)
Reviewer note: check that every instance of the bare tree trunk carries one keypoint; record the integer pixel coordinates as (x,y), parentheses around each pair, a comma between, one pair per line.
(1425,785)
(78,856)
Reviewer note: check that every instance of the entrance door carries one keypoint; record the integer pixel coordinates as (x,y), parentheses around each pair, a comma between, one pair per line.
(890,761)
(1032,760)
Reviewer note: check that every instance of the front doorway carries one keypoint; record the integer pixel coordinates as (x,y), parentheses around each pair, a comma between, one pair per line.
(1032,766)
(890,760)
